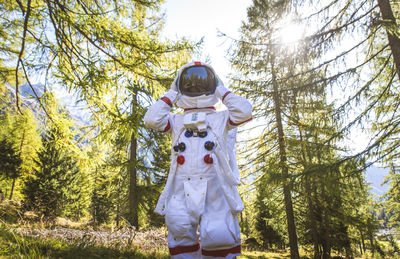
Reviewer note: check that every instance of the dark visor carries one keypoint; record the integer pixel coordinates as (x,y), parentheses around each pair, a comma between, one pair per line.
(196,81)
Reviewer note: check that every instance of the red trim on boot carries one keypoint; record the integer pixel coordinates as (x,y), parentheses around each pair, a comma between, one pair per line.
(222,252)
(183,249)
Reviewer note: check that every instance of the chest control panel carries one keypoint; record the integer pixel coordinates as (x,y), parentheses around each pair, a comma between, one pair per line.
(195,121)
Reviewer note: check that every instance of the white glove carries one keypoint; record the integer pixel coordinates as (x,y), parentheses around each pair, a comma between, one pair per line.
(221,90)
(173,93)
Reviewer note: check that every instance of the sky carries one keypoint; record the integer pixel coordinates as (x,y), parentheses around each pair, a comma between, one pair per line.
(195,19)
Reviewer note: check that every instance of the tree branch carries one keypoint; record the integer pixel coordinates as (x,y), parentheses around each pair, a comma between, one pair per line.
(21,52)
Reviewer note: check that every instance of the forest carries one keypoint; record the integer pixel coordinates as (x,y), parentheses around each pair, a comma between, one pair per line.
(83,181)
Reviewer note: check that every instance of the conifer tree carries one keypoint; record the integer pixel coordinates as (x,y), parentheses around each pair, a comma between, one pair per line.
(10,160)
(392,204)
(101,205)
(21,132)
(289,97)
(109,53)
(256,58)
(268,215)
(363,67)
(50,189)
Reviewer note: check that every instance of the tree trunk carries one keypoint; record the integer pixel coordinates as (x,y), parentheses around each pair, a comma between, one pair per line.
(15,173)
(294,250)
(394,40)
(117,217)
(311,215)
(133,192)
(12,188)
(362,242)
(371,240)
(326,244)
(349,250)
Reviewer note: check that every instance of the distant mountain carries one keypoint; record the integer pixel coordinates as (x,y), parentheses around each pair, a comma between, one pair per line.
(28,100)
(26,91)
(376,176)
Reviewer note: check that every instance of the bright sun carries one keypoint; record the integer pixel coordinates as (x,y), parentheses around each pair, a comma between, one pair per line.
(290,32)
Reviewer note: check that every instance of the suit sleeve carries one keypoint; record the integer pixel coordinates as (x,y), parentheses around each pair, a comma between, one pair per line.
(239,107)
(157,116)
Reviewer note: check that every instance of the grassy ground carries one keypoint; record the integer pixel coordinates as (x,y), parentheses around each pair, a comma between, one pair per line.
(24,237)
(13,245)
(261,255)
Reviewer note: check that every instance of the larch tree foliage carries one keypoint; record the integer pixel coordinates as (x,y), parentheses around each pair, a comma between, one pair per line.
(257,59)
(387,94)
(355,43)
(10,161)
(20,134)
(25,136)
(325,188)
(301,128)
(357,48)
(392,205)
(109,53)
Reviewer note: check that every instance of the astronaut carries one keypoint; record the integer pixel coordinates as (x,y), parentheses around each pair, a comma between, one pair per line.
(200,200)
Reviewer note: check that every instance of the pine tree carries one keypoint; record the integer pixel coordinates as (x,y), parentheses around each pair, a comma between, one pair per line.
(21,132)
(392,203)
(101,205)
(50,189)
(300,129)
(361,71)
(10,160)
(267,212)
(258,60)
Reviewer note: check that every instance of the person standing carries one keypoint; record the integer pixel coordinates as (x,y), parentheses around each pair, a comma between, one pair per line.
(200,200)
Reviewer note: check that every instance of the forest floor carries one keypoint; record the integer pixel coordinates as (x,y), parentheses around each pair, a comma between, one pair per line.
(33,241)
(58,241)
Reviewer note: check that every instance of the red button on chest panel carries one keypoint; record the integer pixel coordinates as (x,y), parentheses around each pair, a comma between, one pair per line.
(180,159)
(208,159)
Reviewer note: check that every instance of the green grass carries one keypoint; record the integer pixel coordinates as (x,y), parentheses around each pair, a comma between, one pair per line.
(13,245)
(262,255)
(304,255)
(17,246)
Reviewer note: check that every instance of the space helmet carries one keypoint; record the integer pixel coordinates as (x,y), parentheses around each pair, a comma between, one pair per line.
(196,84)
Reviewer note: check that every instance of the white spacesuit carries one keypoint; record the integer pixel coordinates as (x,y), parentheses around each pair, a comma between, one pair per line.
(200,200)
